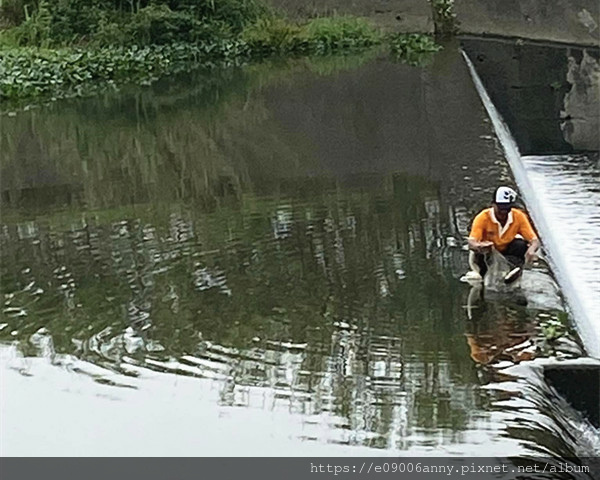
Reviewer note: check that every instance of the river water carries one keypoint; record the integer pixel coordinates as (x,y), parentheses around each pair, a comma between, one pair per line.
(266,261)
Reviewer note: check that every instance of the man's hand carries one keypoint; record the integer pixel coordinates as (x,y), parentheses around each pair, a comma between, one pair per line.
(530,256)
(482,247)
(486,246)
(531,253)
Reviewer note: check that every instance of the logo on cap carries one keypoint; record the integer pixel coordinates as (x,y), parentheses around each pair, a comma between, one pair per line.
(505,195)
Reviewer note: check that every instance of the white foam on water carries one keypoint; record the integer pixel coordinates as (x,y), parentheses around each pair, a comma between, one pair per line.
(565,208)
(569,194)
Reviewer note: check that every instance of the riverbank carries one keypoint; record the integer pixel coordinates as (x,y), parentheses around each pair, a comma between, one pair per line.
(50,50)
(49,54)
(571,22)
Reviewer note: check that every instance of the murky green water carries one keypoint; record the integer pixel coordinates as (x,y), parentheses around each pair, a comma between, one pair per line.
(262,261)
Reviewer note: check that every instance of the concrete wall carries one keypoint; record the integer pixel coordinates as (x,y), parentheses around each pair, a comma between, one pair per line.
(571,21)
(549,96)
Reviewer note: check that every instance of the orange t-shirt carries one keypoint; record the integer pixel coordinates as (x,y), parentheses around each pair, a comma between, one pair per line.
(487,228)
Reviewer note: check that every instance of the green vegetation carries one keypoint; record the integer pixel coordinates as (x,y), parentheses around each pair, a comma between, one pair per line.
(414,49)
(31,72)
(444,18)
(62,48)
(554,328)
(60,23)
(320,36)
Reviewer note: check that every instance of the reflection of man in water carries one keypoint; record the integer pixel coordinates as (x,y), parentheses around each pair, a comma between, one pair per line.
(499,227)
(498,334)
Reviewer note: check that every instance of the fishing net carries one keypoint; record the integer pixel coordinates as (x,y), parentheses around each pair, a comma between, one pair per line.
(498,267)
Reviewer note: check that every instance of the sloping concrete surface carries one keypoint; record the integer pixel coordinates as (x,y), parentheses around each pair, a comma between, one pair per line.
(569,21)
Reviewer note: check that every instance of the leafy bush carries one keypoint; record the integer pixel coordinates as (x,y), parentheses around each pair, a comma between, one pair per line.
(412,48)
(319,36)
(35,30)
(11,13)
(30,72)
(109,33)
(128,21)
(236,14)
(333,32)
(444,17)
(159,25)
(271,36)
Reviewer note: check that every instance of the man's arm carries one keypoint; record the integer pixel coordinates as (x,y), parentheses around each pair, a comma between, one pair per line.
(475,237)
(531,253)
(528,233)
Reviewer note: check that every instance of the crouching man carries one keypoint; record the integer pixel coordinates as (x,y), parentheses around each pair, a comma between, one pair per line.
(498,227)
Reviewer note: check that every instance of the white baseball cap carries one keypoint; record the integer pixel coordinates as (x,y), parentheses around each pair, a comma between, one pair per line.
(505,196)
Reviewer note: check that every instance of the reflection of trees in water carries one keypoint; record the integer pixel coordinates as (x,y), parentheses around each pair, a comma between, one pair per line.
(193,138)
(220,133)
(353,273)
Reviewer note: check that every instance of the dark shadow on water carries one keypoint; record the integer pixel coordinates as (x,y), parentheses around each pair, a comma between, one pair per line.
(548,95)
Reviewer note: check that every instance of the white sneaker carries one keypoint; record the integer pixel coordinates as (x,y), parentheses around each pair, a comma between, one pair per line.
(513,275)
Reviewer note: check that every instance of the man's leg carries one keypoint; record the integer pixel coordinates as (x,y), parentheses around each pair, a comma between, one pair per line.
(515,252)
(479,260)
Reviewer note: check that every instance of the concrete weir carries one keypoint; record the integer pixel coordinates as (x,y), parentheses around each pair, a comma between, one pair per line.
(587,319)
(577,380)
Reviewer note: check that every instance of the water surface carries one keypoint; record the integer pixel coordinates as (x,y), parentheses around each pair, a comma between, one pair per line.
(266,261)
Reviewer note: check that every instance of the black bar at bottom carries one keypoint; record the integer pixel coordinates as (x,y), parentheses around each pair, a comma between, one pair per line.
(480,468)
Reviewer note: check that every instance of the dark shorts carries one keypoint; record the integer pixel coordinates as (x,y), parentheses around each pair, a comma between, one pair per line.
(514,253)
